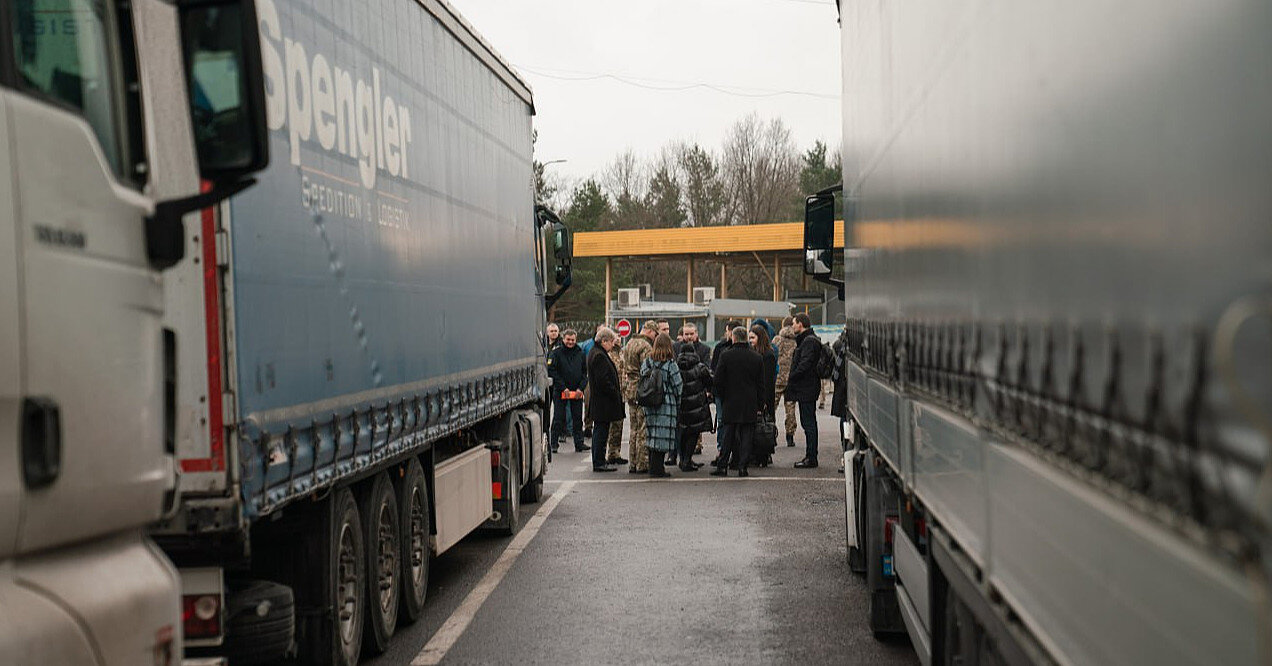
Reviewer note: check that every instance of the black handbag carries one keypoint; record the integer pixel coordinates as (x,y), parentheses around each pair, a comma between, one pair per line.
(765,433)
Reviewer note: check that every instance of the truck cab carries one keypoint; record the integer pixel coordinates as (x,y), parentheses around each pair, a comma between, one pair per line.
(101,156)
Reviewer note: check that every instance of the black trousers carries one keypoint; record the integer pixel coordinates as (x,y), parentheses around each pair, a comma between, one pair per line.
(738,440)
(575,419)
(688,442)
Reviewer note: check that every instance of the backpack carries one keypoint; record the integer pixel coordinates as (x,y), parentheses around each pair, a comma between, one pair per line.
(649,391)
(826,361)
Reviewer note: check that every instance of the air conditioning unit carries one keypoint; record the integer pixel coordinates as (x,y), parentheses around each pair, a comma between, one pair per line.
(628,298)
(646,291)
(703,295)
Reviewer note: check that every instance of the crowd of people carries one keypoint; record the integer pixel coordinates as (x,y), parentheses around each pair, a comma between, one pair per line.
(665,390)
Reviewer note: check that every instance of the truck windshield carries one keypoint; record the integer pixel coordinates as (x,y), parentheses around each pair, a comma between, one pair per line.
(62,51)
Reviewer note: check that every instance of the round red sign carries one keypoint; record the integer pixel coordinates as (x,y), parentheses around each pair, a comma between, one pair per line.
(623,328)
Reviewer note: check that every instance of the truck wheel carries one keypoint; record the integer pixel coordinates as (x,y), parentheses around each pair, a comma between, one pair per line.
(339,642)
(857,556)
(259,622)
(512,501)
(413,506)
(533,492)
(381,525)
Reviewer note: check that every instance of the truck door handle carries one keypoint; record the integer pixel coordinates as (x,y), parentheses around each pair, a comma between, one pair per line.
(41,442)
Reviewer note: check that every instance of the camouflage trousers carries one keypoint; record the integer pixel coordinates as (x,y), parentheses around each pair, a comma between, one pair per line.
(637,454)
(790,408)
(614,445)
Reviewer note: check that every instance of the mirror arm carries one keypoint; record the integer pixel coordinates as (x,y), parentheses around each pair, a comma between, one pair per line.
(551,299)
(165,235)
(833,189)
(175,209)
(834,282)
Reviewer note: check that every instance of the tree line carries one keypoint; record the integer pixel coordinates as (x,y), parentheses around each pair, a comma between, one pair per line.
(758,175)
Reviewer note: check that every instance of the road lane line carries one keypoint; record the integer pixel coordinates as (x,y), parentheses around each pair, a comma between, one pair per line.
(721,479)
(446,637)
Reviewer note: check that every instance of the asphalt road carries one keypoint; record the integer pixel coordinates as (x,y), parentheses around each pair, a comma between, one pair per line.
(630,570)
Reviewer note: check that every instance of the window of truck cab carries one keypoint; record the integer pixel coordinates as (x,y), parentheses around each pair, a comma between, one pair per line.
(79,55)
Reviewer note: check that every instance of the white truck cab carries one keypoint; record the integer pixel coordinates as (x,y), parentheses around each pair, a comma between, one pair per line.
(102,153)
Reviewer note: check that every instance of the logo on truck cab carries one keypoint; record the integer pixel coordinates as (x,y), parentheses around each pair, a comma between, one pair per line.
(315,99)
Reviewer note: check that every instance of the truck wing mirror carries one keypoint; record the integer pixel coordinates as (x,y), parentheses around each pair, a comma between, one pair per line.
(560,248)
(819,239)
(222,49)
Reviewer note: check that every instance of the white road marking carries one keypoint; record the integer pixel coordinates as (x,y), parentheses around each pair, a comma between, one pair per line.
(713,479)
(446,637)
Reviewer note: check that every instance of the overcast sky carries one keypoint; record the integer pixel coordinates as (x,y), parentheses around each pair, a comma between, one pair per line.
(748,47)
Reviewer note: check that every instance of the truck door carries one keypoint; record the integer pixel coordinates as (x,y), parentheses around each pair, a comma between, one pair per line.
(92,347)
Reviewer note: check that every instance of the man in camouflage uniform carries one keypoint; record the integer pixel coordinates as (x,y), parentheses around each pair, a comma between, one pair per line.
(785,344)
(635,353)
(614,444)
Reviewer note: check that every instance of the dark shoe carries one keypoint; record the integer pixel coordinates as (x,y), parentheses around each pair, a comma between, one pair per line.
(697,465)
(715,463)
(616,461)
(688,468)
(583,448)
(841,469)
(633,470)
(604,468)
(720,471)
(556,450)
(743,472)
(806,463)
(790,440)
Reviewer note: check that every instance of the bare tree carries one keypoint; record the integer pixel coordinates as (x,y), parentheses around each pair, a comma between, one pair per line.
(702,186)
(761,168)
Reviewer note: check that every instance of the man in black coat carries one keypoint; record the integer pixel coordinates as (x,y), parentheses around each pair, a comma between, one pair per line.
(607,397)
(567,367)
(738,383)
(804,385)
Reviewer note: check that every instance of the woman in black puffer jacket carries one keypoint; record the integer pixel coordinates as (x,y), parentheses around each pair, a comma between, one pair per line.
(695,412)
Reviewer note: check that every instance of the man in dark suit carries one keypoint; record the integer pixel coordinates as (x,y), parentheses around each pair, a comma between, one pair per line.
(738,383)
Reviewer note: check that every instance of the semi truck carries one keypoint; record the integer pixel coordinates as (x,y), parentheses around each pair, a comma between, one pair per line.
(363,378)
(117,119)
(1058,371)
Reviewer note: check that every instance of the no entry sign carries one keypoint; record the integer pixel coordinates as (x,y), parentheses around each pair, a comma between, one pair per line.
(623,328)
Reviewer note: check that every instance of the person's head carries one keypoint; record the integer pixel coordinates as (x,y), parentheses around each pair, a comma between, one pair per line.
(728,329)
(598,330)
(691,332)
(802,322)
(786,322)
(680,334)
(606,338)
(738,335)
(759,339)
(554,332)
(664,327)
(570,337)
(663,351)
(650,330)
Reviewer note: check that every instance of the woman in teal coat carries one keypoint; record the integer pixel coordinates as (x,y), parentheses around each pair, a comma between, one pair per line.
(661,422)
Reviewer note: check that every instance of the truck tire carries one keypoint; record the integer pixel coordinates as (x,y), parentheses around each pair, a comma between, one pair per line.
(412,499)
(339,639)
(381,532)
(532,493)
(260,622)
(512,496)
(857,555)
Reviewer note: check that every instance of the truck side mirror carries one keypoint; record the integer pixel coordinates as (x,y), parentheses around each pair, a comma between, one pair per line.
(222,55)
(819,235)
(222,49)
(560,249)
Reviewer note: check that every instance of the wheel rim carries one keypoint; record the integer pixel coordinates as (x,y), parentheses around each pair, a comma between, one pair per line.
(418,537)
(388,547)
(349,620)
